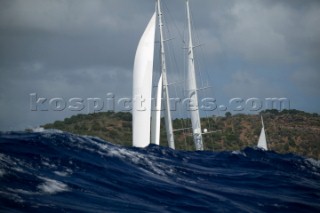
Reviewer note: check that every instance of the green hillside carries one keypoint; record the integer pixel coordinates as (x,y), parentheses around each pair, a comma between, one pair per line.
(287,131)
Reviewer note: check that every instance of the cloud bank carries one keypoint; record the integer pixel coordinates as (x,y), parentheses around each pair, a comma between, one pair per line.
(69,48)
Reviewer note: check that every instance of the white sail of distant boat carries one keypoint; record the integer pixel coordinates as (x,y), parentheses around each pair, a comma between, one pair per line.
(262,143)
(142,89)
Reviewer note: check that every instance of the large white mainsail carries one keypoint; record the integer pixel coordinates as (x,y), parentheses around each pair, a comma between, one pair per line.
(192,90)
(142,86)
(262,143)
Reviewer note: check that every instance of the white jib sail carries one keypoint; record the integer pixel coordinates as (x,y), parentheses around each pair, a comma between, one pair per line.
(142,86)
(262,143)
(156,116)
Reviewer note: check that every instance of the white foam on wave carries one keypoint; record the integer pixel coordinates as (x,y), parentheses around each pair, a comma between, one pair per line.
(38,129)
(313,162)
(53,131)
(314,165)
(22,191)
(148,161)
(12,164)
(16,198)
(238,152)
(105,149)
(50,186)
(4,159)
(47,164)
(63,173)
(82,143)
(104,146)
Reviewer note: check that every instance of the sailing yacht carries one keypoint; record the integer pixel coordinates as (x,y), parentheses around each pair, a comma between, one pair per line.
(146,121)
(262,143)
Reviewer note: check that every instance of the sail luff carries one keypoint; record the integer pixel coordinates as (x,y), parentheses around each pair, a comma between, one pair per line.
(156,115)
(192,90)
(167,112)
(142,86)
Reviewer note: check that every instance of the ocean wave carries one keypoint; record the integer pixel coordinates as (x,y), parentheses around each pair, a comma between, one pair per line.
(59,171)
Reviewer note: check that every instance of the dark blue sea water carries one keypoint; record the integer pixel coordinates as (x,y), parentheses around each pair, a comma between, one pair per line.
(61,172)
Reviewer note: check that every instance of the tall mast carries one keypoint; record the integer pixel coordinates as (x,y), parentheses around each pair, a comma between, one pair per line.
(165,91)
(192,90)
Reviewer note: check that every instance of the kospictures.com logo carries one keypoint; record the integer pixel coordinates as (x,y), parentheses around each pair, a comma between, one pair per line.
(111,103)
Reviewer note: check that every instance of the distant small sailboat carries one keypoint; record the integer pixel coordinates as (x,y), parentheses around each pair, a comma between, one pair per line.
(262,143)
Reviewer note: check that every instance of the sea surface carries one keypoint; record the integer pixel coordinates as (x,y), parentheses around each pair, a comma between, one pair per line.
(54,171)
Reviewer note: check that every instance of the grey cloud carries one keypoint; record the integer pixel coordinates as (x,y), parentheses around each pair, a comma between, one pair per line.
(247,84)
(308,80)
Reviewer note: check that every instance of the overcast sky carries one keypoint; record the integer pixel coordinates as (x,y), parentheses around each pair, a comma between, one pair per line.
(85,49)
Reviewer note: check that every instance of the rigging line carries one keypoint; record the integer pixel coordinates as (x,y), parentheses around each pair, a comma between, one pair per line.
(170,48)
(180,113)
(197,62)
(171,54)
(173,48)
(172,57)
(174,23)
(200,63)
(181,123)
(206,72)
(200,59)
(174,63)
(187,121)
(200,72)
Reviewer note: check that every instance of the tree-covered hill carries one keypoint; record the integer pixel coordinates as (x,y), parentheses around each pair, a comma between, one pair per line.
(287,131)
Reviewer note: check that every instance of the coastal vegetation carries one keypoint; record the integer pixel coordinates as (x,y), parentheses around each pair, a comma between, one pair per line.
(288,131)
